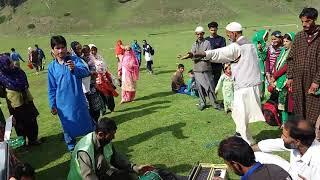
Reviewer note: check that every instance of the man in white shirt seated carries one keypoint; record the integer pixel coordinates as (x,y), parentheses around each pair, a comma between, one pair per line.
(298,137)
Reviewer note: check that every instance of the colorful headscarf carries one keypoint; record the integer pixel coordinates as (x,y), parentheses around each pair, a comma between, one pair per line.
(12,78)
(259,38)
(131,63)
(118,49)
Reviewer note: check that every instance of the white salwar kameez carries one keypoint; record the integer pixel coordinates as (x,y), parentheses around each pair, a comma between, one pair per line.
(246,73)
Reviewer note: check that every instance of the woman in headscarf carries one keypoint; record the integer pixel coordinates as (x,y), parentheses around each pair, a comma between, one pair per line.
(33,57)
(279,79)
(260,39)
(129,75)
(104,83)
(19,100)
(119,50)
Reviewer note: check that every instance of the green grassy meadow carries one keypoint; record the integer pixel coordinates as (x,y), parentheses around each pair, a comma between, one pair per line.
(159,128)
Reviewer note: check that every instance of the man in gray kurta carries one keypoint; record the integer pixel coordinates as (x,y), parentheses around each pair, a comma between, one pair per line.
(203,71)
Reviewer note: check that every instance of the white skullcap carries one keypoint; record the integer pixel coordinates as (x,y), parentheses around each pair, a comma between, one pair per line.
(199,29)
(92,45)
(234,27)
(29,48)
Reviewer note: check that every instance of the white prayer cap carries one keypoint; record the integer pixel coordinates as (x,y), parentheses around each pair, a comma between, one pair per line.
(92,45)
(234,27)
(199,29)
(29,48)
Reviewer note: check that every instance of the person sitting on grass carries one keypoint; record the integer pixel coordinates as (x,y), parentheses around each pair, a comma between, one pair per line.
(239,156)
(177,84)
(298,137)
(226,82)
(95,157)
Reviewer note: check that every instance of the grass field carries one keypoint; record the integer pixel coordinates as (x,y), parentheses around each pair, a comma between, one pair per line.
(159,128)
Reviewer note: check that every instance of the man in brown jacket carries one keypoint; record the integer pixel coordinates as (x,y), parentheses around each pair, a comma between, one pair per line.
(304,67)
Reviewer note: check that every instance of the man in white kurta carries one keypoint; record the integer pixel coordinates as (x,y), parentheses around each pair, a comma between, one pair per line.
(245,70)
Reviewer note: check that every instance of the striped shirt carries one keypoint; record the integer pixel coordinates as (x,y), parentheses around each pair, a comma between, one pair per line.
(272,56)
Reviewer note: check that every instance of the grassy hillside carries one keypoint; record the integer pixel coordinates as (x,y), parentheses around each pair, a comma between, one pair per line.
(50,16)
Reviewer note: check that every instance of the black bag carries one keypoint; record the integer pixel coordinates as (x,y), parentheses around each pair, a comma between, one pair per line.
(271,113)
(151,50)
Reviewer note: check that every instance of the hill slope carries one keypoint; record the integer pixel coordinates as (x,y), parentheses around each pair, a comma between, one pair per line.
(49,16)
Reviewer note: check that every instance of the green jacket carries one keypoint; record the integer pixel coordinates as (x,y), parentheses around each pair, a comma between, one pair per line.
(259,38)
(86,144)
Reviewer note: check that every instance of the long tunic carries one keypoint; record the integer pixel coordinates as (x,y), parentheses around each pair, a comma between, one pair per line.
(246,73)
(226,82)
(304,68)
(65,94)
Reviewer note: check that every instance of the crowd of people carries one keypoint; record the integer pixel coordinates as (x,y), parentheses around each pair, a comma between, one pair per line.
(81,87)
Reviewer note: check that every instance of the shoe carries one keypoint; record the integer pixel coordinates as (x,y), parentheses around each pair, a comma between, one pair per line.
(218,107)
(201,106)
(34,143)
(237,134)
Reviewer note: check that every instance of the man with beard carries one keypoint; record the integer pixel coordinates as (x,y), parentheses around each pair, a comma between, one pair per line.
(242,55)
(240,157)
(203,71)
(298,137)
(304,67)
(94,156)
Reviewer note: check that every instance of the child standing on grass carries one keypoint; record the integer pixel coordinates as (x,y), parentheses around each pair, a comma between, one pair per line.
(191,84)
(226,82)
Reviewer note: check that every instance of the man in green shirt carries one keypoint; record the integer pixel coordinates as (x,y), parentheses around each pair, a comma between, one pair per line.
(94,157)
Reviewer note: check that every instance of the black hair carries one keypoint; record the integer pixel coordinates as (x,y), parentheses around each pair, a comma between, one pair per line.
(24,170)
(106,125)
(191,71)
(12,49)
(236,149)
(180,66)
(85,47)
(213,24)
(305,135)
(310,13)
(287,36)
(36,45)
(277,34)
(56,40)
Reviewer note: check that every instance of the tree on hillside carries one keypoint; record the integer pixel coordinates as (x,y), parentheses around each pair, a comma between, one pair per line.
(12,3)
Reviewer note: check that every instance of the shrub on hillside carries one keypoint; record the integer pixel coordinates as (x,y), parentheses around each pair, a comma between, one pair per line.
(31,26)
(2,19)
(67,14)
(12,3)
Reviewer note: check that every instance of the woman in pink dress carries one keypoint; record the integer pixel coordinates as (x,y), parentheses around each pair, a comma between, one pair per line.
(129,75)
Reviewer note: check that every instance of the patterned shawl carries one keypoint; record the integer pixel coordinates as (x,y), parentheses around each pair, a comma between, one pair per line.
(12,78)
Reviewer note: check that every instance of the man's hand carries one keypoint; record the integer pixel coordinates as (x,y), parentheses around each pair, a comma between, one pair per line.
(200,55)
(272,80)
(187,56)
(301,177)
(54,111)
(313,88)
(142,168)
(289,83)
(70,64)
